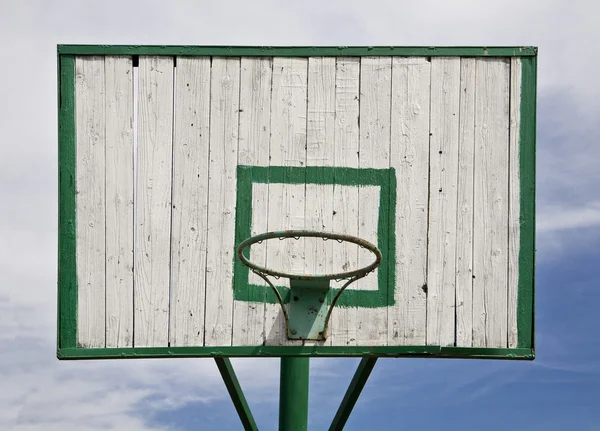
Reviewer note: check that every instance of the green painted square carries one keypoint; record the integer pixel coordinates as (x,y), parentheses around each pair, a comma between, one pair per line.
(384,178)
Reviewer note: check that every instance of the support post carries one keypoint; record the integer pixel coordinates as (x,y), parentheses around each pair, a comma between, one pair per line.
(293,394)
(236,394)
(356,386)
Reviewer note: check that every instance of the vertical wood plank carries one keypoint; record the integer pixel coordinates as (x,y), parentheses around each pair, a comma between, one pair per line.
(319,152)
(490,240)
(119,201)
(443,170)
(224,123)
(514,195)
(286,204)
(374,152)
(90,200)
(190,201)
(464,220)
(411,78)
(153,202)
(342,328)
(255,130)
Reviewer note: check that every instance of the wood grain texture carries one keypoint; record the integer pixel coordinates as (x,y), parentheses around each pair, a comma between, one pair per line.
(153,202)
(255,130)
(514,196)
(409,156)
(90,200)
(286,203)
(119,201)
(156,221)
(319,152)
(374,152)
(464,214)
(490,238)
(443,171)
(342,330)
(190,201)
(224,124)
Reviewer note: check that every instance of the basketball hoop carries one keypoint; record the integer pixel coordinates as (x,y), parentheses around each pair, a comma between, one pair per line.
(308,313)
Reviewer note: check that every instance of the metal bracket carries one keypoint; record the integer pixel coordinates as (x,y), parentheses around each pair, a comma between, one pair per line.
(308,309)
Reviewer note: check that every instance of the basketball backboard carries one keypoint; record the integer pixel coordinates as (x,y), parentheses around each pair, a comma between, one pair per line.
(170,157)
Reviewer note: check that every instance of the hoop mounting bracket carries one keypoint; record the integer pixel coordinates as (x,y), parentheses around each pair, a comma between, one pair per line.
(308,309)
(309,313)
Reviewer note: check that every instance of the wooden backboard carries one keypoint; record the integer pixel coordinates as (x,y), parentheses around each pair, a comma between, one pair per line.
(171,156)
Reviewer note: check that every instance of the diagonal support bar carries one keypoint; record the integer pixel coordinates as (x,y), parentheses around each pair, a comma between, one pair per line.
(236,394)
(356,386)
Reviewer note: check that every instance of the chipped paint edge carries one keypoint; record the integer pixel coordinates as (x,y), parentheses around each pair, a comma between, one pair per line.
(299,51)
(314,351)
(67,276)
(527,138)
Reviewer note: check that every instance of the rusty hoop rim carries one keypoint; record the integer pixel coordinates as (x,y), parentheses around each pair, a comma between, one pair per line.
(296,234)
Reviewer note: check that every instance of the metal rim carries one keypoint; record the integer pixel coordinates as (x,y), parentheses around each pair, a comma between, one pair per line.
(309,234)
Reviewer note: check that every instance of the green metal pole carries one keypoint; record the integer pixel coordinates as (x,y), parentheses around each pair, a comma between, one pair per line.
(293,394)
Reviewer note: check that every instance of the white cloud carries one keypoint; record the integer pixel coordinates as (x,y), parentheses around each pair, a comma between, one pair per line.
(553,219)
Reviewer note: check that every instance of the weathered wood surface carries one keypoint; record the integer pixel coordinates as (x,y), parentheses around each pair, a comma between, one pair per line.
(286,202)
(253,150)
(410,158)
(156,242)
(490,227)
(224,127)
(514,200)
(190,201)
(91,201)
(443,172)
(119,201)
(152,252)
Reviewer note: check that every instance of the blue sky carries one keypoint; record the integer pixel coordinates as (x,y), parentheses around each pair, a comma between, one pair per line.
(559,390)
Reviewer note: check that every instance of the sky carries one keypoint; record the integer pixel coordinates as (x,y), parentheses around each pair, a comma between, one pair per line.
(559,390)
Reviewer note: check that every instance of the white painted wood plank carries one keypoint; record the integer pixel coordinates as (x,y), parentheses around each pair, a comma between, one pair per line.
(410,158)
(260,212)
(464,220)
(224,123)
(514,195)
(255,129)
(119,201)
(90,201)
(443,171)
(190,201)
(319,152)
(286,211)
(490,239)
(153,202)
(342,328)
(287,148)
(374,152)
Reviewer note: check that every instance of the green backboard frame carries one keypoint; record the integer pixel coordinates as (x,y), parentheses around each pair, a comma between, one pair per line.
(67,280)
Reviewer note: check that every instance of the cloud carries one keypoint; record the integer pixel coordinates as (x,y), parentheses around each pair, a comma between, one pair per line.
(553,219)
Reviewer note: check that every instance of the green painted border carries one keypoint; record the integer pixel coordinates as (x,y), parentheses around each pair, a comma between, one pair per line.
(67,281)
(278,351)
(67,277)
(327,175)
(298,51)
(525,301)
